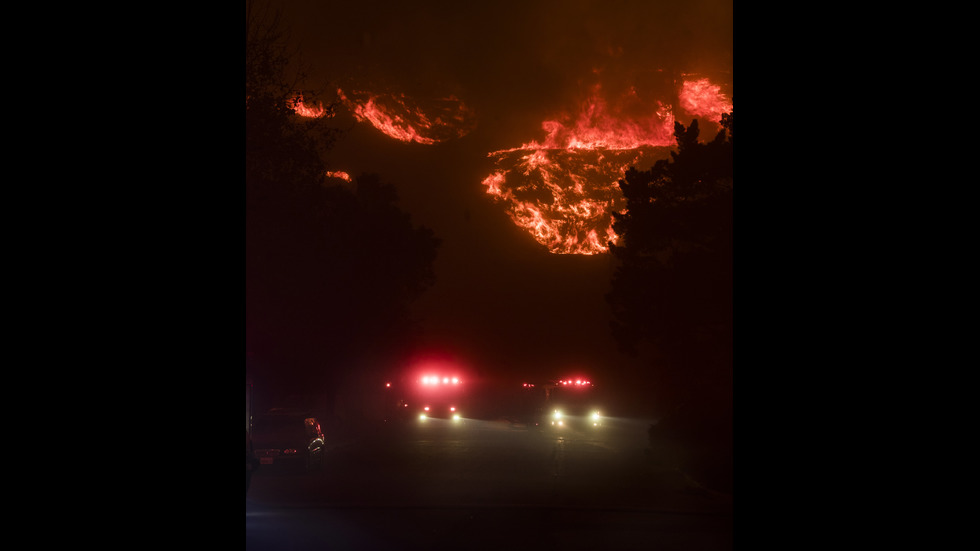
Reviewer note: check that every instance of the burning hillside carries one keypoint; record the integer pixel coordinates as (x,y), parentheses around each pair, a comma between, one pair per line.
(702,99)
(410,120)
(563,190)
(311,110)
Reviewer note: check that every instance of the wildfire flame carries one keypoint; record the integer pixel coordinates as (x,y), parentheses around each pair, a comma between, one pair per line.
(703,99)
(598,126)
(310,111)
(405,119)
(340,174)
(564,189)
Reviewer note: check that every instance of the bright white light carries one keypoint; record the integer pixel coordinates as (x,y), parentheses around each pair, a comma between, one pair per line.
(595,416)
(445,380)
(452,408)
(557,414)
(426,408)
(455,380)
(422,417)
(455,417)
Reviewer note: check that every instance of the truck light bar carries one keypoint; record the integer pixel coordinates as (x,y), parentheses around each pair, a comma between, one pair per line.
(435,380)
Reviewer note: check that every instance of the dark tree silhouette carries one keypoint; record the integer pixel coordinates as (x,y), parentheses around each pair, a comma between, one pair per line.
(671,293)
(330,268)
(673,283)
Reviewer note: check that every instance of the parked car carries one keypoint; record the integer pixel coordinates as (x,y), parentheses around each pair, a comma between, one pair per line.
(288,440)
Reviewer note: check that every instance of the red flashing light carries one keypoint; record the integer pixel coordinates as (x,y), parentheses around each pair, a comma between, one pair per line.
(435,380)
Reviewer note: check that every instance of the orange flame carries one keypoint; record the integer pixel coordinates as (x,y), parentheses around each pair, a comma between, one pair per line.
(701,98)
(304,110)
(564,189)
(597,127)
(339,174)
(403,119)
(566,186)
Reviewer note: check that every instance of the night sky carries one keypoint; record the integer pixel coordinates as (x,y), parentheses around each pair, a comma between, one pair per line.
(501,302)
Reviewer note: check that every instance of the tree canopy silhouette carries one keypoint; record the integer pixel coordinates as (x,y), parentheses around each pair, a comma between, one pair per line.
(330,267)
(671,292)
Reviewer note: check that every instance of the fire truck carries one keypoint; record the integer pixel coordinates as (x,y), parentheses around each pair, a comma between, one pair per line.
(428,397)
(563,404)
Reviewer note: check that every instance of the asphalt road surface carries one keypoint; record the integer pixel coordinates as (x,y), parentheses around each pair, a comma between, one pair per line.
(488,485)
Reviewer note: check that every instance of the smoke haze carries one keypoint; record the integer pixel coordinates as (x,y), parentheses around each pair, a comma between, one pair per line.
(499,296)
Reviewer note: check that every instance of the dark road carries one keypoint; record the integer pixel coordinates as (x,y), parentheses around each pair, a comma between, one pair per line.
(488,485)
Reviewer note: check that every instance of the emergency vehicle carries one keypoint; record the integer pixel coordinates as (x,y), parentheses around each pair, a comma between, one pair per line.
(427,397)
(563,403)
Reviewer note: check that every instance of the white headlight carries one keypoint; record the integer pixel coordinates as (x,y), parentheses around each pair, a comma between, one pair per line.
(557,414)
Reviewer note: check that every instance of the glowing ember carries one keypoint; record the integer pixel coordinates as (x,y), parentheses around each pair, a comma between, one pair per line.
(563,190)
(339,174)
(407,120)
(304,110)
(700,98)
